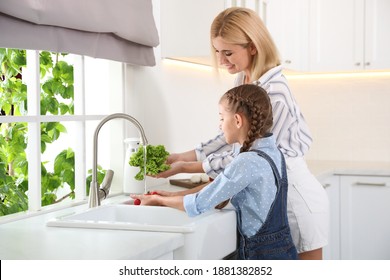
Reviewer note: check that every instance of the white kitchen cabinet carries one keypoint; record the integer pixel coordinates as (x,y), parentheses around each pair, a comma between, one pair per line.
(377,34)
(332,187)
(288,21)
(359,221)
(185,27)
(349,35)
(364,217)
(311,35)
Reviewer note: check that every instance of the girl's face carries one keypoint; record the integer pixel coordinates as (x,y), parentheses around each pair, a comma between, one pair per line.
(232,125)
(234,57)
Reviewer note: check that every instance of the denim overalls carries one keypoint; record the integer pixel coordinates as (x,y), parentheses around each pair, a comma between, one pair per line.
(273,241)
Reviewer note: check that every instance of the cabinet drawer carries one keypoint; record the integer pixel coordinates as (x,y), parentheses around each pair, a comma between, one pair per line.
(364,217)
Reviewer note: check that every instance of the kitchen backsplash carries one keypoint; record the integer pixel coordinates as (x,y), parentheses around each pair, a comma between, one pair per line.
(348,116)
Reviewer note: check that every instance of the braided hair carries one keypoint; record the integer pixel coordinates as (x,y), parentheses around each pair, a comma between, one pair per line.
(253,102)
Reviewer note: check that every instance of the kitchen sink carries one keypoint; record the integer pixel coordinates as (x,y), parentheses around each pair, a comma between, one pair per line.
(211,235)
(130,217)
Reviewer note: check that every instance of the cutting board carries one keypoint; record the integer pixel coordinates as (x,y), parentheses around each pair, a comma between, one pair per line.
(186,183)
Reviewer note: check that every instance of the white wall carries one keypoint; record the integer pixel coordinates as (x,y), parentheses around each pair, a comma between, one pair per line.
(348,116)
(176,103)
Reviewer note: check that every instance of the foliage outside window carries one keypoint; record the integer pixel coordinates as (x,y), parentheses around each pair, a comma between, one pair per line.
(56,98)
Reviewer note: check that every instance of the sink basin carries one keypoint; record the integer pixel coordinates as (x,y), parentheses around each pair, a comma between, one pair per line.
(211,235)
(130,217)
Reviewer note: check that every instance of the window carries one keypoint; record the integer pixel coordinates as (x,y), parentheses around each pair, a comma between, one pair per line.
(50,106)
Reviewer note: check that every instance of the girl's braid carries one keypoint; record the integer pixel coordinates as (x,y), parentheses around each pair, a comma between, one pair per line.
(252,101)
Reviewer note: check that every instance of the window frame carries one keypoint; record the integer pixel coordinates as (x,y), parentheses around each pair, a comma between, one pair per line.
(31,77)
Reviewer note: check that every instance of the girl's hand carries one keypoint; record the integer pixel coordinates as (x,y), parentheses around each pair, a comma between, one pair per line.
(158,200)
(164,193)
(146,199)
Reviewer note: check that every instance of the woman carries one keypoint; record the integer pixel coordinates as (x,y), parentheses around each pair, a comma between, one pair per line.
(255,181)
(242,44)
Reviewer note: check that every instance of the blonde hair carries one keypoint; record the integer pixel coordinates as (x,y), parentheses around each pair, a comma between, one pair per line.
(254,103)
(242,26)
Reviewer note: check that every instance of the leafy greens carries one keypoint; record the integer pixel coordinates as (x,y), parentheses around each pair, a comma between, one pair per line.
(156,157)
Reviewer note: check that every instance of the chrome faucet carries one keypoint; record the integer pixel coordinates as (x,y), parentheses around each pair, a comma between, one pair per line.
(96,194)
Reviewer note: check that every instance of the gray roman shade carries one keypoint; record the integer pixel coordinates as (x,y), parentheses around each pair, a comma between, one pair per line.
(121,30)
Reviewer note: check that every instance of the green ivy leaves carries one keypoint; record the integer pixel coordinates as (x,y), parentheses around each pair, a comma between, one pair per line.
(56,98)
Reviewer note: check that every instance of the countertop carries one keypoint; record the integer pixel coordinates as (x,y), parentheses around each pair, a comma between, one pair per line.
(30,238)
(323,168)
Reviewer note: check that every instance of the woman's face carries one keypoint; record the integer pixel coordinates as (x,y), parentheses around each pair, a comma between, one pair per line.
(234,57)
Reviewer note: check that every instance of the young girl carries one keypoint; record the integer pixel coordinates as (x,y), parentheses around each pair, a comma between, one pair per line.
(255,181)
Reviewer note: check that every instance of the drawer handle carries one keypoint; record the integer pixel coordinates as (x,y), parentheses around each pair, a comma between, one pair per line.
(326,186)
(371,184)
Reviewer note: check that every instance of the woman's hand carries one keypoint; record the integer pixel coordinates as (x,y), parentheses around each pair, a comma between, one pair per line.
(186,156)
(173,158)
(182,167)
(181,163)
(175,168)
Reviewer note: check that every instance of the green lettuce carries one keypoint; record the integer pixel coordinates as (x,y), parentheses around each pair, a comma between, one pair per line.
(156,157)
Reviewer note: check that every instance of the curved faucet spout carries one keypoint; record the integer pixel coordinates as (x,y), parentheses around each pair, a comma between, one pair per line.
(94,199)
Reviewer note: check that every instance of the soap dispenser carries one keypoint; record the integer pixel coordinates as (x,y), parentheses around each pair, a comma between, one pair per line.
(130,184)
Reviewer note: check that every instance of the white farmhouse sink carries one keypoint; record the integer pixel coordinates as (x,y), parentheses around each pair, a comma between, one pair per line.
(130,217)
(211,235)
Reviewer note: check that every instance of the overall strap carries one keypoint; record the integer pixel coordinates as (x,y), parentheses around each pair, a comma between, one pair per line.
(273,165)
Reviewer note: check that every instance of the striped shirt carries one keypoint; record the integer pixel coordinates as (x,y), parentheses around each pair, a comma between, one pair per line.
(290,128)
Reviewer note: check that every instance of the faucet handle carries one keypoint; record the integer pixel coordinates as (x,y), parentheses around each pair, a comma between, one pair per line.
(106,185)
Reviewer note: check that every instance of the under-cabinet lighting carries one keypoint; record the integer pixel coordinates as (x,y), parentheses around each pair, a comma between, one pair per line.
(341,75)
